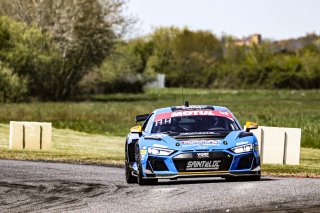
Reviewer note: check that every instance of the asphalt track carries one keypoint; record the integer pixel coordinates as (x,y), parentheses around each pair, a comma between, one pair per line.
(58,187)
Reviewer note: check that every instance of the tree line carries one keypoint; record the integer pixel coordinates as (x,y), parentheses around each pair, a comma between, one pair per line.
(57,50)
(200,59)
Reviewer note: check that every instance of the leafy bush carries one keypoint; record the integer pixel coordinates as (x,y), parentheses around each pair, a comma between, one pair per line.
(33,56)
(12,87)
(127,69)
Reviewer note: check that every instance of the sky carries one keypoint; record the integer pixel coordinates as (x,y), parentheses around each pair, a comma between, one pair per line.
(273,19)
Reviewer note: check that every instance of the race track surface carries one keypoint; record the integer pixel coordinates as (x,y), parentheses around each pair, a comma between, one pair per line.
(57,187)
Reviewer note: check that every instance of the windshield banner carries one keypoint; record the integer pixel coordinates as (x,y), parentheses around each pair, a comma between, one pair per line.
(174,114)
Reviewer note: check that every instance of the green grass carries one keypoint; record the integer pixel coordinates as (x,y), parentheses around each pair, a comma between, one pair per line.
(309,165)
(113,115)
(78,147)
(69,146)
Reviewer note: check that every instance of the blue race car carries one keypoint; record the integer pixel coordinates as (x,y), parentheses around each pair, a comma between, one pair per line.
(191,141)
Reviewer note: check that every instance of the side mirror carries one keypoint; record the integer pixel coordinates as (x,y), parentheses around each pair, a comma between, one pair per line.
(251,125)
(140,118)
(136,129)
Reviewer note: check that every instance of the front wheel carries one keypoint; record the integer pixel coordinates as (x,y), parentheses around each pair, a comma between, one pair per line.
(253,178)
(243,178)
(140,179)
(129,177)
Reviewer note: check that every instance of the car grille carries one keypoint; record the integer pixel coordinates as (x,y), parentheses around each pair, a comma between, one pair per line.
(194,162)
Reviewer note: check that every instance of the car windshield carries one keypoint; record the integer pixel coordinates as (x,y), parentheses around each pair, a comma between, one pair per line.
(194,124)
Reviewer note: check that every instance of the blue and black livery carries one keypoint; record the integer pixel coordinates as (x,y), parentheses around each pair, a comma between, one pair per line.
(191,141)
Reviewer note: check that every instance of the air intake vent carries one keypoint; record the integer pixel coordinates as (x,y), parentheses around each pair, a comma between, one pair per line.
(158,164)
(245,162)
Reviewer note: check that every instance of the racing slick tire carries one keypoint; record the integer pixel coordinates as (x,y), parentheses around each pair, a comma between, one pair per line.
(253,178)
(129,177)
(244,178)
(140,179)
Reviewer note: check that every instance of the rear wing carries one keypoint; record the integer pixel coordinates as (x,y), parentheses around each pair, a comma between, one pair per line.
(140,118)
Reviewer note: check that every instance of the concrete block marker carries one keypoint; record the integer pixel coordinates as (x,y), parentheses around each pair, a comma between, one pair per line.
(273,145)
(278,145)
(293,137)
(30,135)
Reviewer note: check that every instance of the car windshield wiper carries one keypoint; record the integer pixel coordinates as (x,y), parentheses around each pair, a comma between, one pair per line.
(170,132)
(166,132)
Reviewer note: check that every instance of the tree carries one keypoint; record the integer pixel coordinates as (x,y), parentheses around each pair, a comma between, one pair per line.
(193,53)
(83,30)
(162,59)
(12,87)
(32,55)
(126,70)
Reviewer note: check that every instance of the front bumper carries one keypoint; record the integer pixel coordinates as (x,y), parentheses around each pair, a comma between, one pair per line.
(176,166)
(201,174)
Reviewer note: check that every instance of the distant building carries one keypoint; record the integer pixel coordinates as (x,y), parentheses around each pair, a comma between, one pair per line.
(291,44)
(249,41)
(294,44)
(159,82)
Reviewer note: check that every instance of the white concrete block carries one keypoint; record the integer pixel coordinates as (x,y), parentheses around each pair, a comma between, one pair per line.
(30,135)
(16,135)
(279,145)
(46,135)
(272,145)
(293,140)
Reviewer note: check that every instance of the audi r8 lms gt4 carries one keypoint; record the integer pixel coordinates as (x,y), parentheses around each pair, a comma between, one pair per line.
(191,141)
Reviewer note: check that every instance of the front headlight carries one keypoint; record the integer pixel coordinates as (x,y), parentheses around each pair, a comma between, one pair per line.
(159,151)
(242,148)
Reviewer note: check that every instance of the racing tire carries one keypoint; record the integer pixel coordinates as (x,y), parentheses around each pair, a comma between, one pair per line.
(243,178)
(140,179)
(253,178)
(129,177)
(232,179)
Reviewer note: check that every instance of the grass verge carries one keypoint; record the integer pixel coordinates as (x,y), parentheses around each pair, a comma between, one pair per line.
(309,165)
(77,147)
(114,114)
(70,146)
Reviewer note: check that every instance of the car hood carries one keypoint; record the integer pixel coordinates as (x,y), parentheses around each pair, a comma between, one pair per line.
(197,141)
